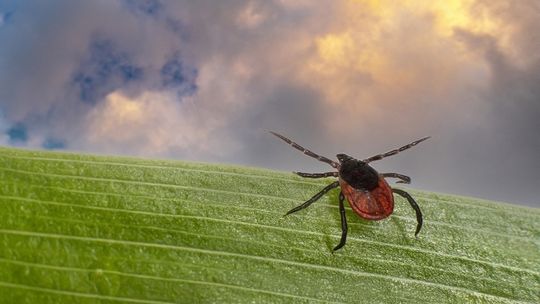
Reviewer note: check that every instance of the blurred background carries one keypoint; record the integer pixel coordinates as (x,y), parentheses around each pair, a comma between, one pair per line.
(203,80)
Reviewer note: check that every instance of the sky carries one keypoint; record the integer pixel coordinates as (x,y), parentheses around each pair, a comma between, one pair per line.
(204,80)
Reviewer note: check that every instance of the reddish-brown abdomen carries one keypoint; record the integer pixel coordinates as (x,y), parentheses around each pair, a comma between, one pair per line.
(376,204)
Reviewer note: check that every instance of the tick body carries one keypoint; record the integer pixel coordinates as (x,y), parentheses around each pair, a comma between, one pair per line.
(366,190)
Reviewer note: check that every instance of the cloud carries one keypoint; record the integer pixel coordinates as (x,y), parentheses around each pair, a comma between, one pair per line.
(508,150)
(202,80)
(153,123)
(53,74)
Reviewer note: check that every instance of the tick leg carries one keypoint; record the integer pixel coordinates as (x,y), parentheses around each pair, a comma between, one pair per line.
(343,223)
(316,175)
(314,198)
(306,151)
(395,151)
(404,179)
(414,205)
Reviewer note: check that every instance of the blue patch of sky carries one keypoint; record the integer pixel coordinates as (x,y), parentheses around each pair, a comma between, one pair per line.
(8,9)
(175,74)
(145,7)
(5,17)
(105,70)
(178,27)
(157,9)
(53,144)
(17,133)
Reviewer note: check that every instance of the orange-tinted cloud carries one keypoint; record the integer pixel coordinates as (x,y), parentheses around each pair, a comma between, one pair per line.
(379,54)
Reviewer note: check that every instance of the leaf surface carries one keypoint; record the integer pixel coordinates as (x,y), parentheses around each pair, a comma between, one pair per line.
(87,229)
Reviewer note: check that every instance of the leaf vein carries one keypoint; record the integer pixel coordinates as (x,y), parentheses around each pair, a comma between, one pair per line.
(254,257)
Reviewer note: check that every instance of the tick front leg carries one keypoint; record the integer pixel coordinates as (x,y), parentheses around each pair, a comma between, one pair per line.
(395,151)
(314,198)
(404,179)
(306,151)
(414,205)
(316,175)
(343,222)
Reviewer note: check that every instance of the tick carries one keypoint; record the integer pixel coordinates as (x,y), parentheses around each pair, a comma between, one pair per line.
(366,190)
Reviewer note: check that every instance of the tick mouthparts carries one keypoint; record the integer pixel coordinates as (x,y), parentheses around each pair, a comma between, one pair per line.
(343,157)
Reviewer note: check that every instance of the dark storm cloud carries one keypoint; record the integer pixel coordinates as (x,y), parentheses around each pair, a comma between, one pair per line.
(203,80)
(507,152)
(499,157)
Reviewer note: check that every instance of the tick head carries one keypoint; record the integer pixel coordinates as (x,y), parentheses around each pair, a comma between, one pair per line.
(344,157)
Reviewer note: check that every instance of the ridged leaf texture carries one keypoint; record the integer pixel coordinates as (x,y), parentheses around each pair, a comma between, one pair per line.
(93,229)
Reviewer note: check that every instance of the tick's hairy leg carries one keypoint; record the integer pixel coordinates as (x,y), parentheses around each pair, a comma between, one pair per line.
(414,205)
(395,151)
(314,198)
(404,179)
(344,229)
(306,151)
(317,175)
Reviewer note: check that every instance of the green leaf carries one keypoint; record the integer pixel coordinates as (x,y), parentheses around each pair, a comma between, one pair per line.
(86,229)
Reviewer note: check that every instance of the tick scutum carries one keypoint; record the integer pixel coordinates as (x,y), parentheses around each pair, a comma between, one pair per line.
(358,174)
